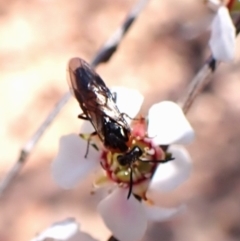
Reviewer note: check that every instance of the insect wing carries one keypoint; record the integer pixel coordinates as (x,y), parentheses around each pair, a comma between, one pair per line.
(94,97)
(111,110)
(85,84)
(83,81)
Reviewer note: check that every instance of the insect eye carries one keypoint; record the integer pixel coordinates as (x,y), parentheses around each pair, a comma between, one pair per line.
(121,160)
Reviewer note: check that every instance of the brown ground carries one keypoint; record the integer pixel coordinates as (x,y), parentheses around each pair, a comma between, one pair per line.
(36,40)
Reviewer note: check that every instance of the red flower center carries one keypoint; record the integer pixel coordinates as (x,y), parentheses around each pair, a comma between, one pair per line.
(138,163)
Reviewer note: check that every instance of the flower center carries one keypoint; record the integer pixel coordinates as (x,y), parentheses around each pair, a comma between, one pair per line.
(134,167)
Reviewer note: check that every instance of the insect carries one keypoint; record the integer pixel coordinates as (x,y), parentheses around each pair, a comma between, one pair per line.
(98,106)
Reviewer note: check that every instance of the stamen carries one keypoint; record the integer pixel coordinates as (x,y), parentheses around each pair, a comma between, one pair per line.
(142,159)
(150,152)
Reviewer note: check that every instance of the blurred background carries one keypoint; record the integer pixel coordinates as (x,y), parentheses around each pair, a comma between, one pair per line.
(159,56)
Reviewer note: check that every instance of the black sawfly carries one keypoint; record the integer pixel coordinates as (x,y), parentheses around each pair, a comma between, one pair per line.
(99,107)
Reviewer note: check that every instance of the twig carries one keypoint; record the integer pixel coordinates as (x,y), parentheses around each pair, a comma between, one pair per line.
(112,238)
(12,173)
(102,56)
(201,79)
(112,44)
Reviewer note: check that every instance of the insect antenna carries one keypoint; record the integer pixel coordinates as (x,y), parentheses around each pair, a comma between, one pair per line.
(159,161)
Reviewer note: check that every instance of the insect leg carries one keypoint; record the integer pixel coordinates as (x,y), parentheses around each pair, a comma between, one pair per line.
(83,116)
(158,161)
(129,117)
(166,160)
(130,183)
(114,95)
(88,142)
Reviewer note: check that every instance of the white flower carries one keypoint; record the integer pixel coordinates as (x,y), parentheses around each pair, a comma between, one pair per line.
(222,30)
(223,34)
(166,125)
(67,230)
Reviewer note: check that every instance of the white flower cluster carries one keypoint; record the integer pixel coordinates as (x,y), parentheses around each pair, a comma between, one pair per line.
(166,125)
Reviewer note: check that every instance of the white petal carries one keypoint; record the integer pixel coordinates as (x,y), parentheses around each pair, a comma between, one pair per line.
(170,175)
(67,230)
(129,101)
(126,218)
(158,214)
(63,230)
(214,4)
(222,40)
(168,124)
(70,166)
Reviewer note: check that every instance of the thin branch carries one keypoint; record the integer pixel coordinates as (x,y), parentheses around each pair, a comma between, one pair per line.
(201,79)
(112,44)
(112,238)
(12,173)
(102,56)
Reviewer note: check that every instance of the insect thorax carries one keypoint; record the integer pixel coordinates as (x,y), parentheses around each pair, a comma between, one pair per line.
(116,136)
